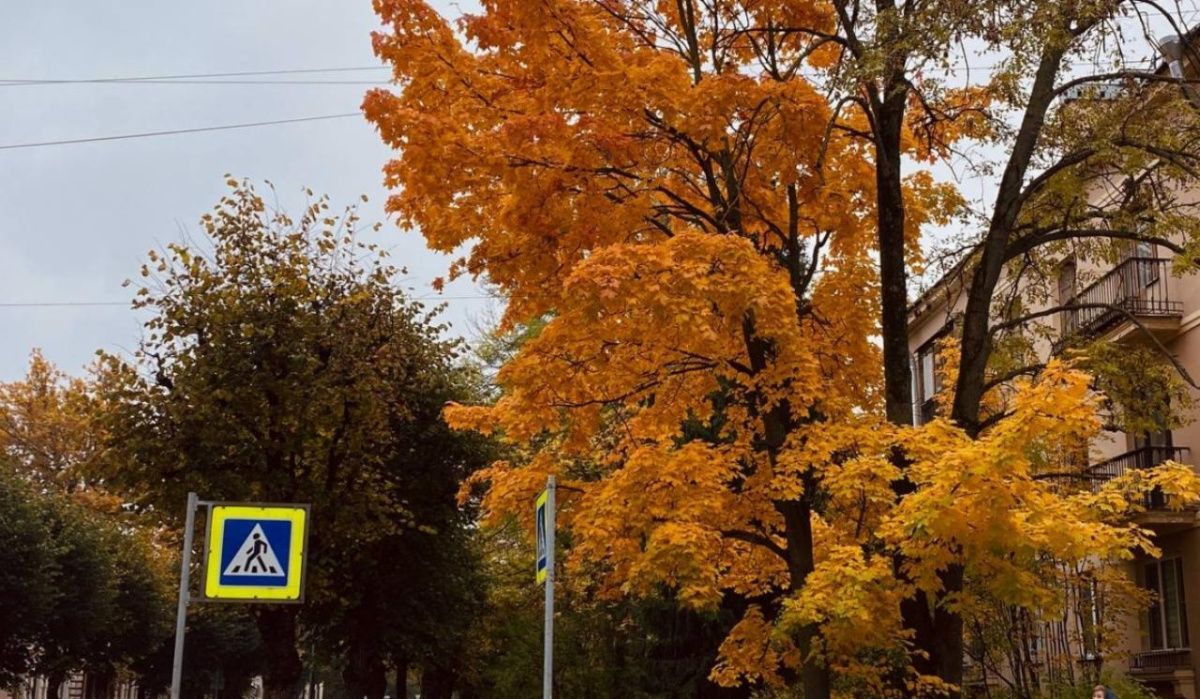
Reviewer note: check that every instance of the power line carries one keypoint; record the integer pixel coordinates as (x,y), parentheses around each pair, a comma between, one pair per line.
(166,81)
(5,82)
(61,304)
(171,132)
(85,304)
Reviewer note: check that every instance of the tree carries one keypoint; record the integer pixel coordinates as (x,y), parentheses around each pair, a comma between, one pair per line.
(604,646)
(96,588)
(699,223)
(26,594)
(280,364)
(140,623)
(49,430)
(651,187)
(222,655)
(1083,171)
(80,593)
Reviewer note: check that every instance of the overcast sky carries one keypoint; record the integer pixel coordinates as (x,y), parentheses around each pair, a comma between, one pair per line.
(76,220)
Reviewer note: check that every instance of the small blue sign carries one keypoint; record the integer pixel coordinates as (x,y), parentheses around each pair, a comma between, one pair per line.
(255,552)
(542,550)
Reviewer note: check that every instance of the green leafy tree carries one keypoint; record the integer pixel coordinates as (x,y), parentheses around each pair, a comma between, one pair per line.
(646,646)
(221,656)
(26,570)
(76,633)
(279,363)
(78,592)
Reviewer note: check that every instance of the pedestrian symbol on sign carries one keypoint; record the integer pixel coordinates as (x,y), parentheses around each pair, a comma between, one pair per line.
(255,556)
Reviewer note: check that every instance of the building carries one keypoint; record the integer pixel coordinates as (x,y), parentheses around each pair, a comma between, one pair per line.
(76,686)
(1158,652)
(1132,301)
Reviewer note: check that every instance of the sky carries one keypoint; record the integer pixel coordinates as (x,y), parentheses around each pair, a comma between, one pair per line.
(77,220)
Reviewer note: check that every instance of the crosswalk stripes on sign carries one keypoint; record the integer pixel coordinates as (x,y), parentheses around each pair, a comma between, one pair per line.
(255,556)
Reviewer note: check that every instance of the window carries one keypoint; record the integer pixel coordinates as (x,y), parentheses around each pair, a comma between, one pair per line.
(1066,280)
(928,376)
(928,379)
(1066,293)
(1168,614)
(1147,272)
(1163,439)
(1139,258)
(1090,618)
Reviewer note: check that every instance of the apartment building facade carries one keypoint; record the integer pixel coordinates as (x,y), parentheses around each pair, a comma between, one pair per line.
(1136,301)
(1131,300)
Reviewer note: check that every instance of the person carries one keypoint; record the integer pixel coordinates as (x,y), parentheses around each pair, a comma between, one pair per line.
(1102,692)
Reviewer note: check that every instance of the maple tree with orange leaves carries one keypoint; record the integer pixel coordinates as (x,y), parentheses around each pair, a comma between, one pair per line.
(699,228)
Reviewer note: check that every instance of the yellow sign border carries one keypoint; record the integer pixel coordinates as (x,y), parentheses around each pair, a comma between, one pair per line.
(292,591)
(538,505)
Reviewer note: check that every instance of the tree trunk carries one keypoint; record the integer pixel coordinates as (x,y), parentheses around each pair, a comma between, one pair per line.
(937,632)
(976,334)
(98,685)
(283,673)
(893,271)
(401,667)
(365,675)
(797,518)
(436,683)
(54,684)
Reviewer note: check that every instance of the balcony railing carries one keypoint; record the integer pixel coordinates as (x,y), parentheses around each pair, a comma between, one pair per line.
(1137,287)
(1162,660)
(1145,457)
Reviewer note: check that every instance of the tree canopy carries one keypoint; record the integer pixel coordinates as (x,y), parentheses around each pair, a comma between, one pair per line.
(706,232)
(78,592)
(281,363)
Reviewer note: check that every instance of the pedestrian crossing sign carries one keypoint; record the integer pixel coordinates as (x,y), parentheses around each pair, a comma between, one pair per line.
(256,553)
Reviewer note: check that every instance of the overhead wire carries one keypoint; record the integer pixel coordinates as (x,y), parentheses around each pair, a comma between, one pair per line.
(172,132)
(5,82)
(87,304)
(218,81)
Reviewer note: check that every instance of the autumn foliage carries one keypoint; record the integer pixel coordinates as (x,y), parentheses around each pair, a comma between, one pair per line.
(707,384)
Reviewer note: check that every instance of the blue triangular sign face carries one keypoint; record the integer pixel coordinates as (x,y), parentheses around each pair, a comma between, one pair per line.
(255,556)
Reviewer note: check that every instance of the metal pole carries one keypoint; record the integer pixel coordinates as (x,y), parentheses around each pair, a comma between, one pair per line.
(548,663)
(181,612)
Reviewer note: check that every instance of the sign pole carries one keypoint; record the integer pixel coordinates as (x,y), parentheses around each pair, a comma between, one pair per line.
(548,663)
(181,612)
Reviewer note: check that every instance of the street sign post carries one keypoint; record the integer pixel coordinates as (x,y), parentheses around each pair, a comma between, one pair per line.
(544,515)
(181,611)
(253,553)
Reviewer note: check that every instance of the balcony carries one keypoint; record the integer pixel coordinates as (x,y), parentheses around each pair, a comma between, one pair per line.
(1159,513)
(1145,457)
(1136,288)
(1162,661)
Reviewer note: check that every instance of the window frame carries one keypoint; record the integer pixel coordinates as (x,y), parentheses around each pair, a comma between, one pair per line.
(1158,629)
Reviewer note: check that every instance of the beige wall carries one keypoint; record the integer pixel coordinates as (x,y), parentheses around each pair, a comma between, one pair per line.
(1181,538)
